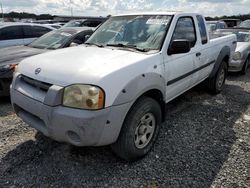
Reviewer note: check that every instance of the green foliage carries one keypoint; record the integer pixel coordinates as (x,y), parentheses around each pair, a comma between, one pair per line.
(22,15)
(240,16)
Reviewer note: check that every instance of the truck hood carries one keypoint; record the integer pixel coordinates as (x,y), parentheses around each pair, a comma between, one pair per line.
(13,55)
(241,46)
(82,64)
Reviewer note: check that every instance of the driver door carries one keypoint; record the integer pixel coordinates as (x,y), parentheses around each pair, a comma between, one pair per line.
(179,67)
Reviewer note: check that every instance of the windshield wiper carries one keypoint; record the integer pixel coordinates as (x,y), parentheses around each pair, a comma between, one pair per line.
(129,46)
(95,44)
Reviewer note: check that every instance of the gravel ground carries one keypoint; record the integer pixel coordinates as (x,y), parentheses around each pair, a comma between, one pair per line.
(205,142)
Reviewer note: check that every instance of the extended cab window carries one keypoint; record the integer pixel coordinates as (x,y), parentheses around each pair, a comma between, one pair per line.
(11,33)
(202,29)
(185,29)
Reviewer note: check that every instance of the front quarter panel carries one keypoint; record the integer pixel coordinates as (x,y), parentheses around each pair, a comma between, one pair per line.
(139,85)
(125,84)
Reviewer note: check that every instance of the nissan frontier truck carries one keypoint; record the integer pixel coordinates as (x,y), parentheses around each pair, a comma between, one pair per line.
(113,89)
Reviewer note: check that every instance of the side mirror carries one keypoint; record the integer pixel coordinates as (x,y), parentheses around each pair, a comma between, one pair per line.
(72,44)
(179,47)
(86,37)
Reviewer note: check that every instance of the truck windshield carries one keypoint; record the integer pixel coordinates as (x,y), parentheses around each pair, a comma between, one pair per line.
(143,33)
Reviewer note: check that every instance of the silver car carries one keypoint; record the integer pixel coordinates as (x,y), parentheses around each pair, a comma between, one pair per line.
(57,39)
(241,56)
(14,34)
(215,25)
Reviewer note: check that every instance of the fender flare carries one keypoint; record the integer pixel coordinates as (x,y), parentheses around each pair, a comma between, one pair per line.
(140,85)
(225,51)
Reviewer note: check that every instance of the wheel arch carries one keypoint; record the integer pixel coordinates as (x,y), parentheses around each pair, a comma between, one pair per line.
(224,55)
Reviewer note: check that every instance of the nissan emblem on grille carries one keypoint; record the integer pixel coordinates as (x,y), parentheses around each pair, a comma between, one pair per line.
(38,70)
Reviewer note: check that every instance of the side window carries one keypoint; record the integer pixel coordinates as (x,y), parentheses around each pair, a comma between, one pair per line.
(202,29)
(11,33)
(185,29)
(34,31)
(27,32)
(91,23)
(81,37)
(39,31)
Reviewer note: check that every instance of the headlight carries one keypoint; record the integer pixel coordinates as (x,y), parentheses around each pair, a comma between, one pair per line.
(7,67)
(237,56)
(84,96)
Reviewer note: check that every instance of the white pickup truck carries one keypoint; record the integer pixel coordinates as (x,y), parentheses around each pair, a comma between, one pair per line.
(113,90)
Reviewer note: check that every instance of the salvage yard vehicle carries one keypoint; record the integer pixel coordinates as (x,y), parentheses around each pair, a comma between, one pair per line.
(232,22)
(14,34)
(241,57)
(85,22)
(245,24)
(53,40)
(113,90)
(214,25)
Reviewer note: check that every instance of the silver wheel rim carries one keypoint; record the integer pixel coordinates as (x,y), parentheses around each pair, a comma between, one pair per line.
(221,78)
(145,130)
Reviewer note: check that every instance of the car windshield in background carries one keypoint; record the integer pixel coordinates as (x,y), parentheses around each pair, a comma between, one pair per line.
(241,36)
(142,33)
(52,40)
(211,26)
(74,23)
(245,24)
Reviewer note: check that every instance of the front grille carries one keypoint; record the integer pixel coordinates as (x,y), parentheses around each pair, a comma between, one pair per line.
(35,83)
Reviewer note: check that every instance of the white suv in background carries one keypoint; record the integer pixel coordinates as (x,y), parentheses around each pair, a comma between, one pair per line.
(14,34)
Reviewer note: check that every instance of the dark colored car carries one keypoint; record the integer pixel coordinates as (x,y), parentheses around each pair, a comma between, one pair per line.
(85,22)
(53,40)
(232,22)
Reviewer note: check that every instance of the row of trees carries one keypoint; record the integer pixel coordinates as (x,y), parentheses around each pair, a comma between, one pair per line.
(23,15)
(241,17)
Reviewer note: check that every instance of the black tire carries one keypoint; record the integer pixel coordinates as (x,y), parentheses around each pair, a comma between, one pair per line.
(245,66)
(125,146)
(217,82)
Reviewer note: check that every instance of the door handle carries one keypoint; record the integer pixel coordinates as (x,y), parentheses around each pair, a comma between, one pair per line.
(198,54)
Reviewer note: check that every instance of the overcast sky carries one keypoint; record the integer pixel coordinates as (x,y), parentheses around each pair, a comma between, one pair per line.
(105,7)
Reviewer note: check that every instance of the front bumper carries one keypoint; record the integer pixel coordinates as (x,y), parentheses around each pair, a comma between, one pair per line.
(74,126)
(236,66)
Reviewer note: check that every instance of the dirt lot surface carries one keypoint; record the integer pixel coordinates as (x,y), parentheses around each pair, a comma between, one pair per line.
(205,142)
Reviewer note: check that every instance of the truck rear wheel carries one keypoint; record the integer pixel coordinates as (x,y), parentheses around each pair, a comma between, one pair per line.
(217,82)
(139,131)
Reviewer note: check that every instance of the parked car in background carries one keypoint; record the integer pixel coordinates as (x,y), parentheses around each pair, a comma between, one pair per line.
(14,34)
(113,90)
(53,40)
(214,25)
(241,56)
(85,22)
(54,25)
(245,24)
(232,22)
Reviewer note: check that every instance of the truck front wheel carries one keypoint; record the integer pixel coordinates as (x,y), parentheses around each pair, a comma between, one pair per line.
(217,82)
(139,131)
